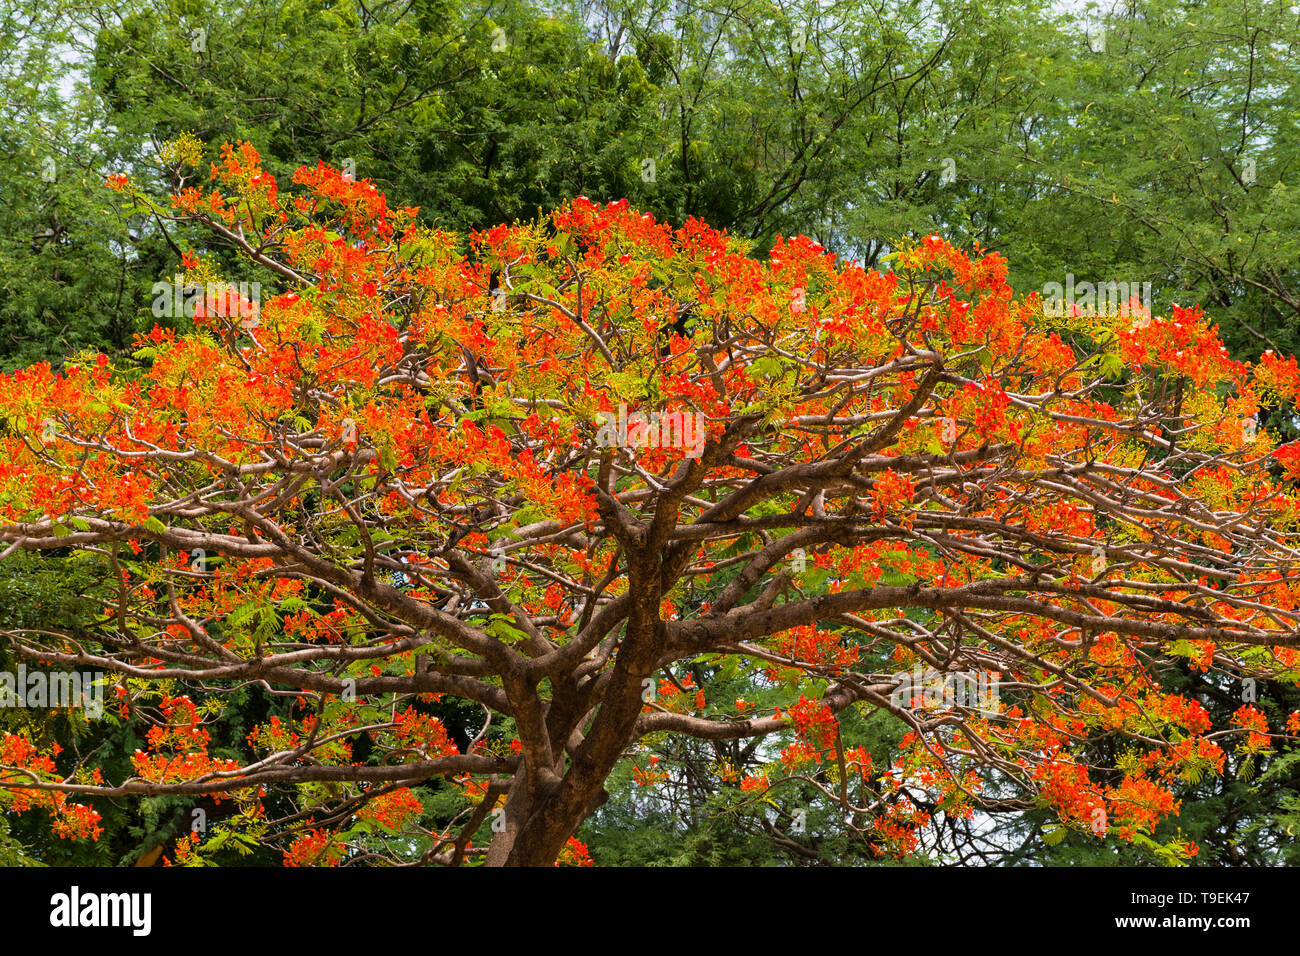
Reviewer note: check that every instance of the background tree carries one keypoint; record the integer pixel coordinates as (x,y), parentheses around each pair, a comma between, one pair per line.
(1158,146)
(64,258)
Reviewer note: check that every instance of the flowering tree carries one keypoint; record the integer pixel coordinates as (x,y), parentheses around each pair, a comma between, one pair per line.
(596,473)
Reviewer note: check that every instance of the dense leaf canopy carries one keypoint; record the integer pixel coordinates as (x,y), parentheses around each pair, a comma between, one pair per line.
(413,478)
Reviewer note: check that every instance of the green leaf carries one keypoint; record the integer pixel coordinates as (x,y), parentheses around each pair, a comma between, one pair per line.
(242,614)
(1112,366)
(1053,835)
(499,626)
(769,366)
